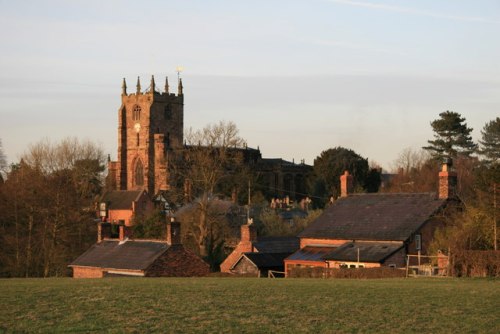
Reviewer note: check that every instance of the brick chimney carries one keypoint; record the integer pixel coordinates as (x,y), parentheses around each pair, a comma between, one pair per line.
(248,233)
(447,180)
(346,184)
(173,232)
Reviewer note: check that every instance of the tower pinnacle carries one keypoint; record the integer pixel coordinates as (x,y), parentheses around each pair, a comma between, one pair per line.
(180,87)
(152,84)
(166,85)
(138,86)
(124,87)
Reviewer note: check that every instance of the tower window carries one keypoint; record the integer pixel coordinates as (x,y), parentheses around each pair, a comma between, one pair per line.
(139,173)
(168,112)
(137,113)
(137,140)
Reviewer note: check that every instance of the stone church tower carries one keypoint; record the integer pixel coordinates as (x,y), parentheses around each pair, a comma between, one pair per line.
(150,125)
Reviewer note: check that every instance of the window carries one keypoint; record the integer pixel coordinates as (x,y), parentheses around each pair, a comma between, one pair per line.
(168,112)
(138,173)
(418,242)
(136,113)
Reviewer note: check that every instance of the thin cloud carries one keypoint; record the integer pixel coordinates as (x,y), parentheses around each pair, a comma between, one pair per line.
(413,11)
(354,46)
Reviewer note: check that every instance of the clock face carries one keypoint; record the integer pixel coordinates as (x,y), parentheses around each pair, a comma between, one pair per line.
(137,127)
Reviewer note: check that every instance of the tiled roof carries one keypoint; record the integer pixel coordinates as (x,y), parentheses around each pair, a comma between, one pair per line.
(368,251)
(311,253)
(276,244)
(130,254)
(121,199)
(382,217)
(266,260)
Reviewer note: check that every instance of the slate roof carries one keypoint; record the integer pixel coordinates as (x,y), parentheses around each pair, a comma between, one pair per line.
(311,253)
(265,260)
(368,251)
(131,254)
(381,217)
(276,244)
(121,199)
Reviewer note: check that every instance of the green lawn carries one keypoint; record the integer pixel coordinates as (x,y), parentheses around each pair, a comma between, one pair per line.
(248,305)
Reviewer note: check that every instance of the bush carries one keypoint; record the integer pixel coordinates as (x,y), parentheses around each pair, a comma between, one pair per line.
(472,263)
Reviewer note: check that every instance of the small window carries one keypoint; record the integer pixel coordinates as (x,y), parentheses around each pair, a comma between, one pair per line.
(136,113)
(168,112)
(418,242)
(392,265)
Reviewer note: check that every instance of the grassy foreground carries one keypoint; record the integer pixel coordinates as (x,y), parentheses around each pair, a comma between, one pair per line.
(247,305)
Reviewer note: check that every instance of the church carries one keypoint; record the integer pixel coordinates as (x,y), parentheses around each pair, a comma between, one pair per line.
(151,133)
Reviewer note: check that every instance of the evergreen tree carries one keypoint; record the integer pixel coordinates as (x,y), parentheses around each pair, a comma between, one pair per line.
(452,137)
(490,143)
(331,164)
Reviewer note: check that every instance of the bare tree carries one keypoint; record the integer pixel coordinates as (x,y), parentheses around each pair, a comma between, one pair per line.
(208,168)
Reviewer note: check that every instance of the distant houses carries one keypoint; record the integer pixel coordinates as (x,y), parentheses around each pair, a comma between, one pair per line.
(355,231)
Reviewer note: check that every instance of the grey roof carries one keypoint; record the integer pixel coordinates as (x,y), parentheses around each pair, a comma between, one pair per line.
(121,199)
(276,244)
(381,217)
(368,251)
(265,260)
(311,253)
(131,254)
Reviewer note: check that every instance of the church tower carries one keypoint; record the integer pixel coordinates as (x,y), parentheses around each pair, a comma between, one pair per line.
(150,125)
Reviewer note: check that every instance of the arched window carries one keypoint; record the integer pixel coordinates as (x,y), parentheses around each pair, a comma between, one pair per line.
(168,112)
(136,113)
(139,173)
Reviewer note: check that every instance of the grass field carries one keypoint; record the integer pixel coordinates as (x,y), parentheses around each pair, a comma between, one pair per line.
(247,305)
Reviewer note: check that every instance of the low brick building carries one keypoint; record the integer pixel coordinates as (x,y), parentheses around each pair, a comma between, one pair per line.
(151,258)
(120,206)
(373,230)
(256,256)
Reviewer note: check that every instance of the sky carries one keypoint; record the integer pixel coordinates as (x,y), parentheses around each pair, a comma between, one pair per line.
(297,77)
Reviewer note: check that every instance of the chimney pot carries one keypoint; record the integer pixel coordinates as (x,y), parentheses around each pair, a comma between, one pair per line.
(346,184)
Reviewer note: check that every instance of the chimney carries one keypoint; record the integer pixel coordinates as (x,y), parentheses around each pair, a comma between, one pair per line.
(447,180)
(248,232)
(345,184)
(173,232)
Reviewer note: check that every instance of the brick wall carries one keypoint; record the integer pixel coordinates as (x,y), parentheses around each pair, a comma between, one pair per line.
(86,272)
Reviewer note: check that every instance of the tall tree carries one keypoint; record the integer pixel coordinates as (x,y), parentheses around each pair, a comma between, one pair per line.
(452,137)
(46,207)
(206,168)
(332,163)
(490,143)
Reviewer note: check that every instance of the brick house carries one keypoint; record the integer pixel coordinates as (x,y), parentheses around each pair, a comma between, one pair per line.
(373,230)
(120,206)
(149,258)
(256,256)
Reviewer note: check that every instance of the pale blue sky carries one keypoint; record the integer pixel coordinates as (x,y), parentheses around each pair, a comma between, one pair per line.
(297,77)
